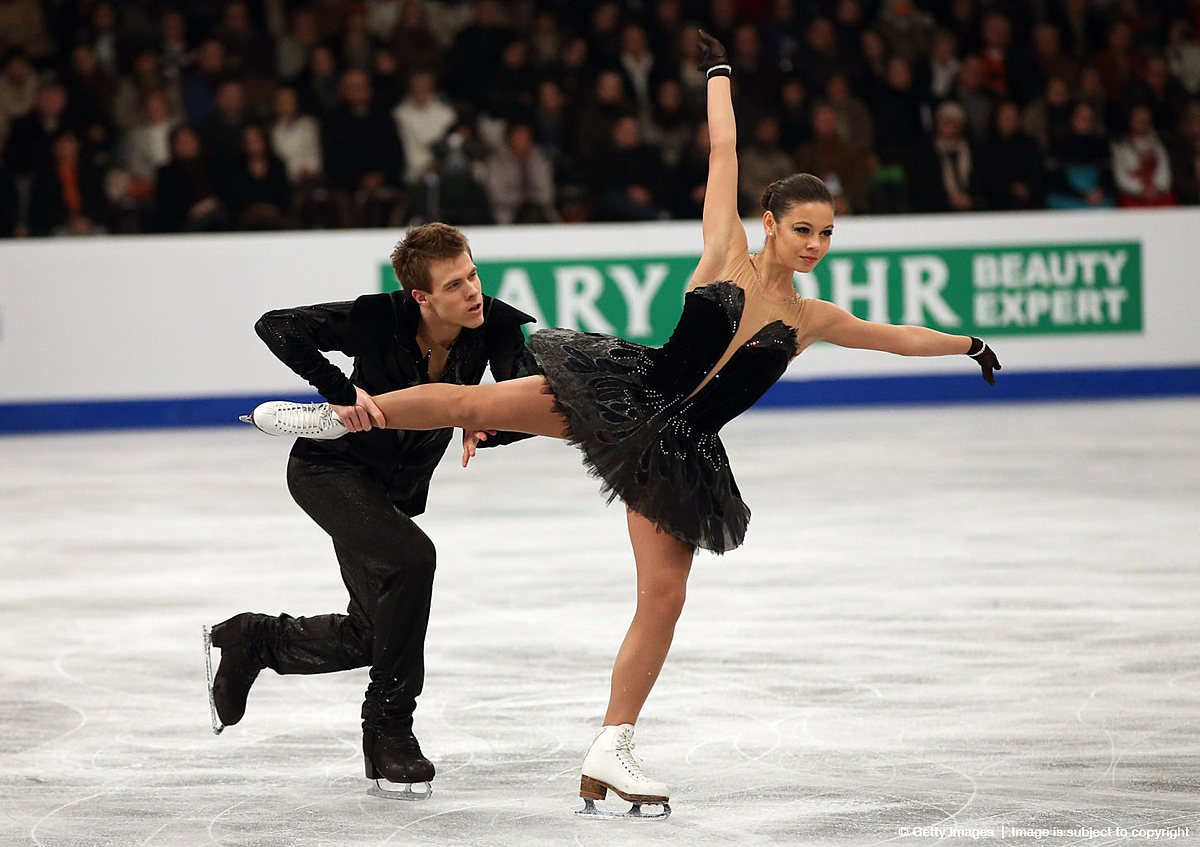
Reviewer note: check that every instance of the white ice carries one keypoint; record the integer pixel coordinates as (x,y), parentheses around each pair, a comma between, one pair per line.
(975,618)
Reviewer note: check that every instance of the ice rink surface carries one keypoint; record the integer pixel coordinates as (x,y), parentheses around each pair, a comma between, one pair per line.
(972,618)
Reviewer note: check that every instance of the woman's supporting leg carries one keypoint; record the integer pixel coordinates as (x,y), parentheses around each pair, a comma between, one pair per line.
(663,565)
(517,405)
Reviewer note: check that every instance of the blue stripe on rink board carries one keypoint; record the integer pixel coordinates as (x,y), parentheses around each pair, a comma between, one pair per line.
(849,391)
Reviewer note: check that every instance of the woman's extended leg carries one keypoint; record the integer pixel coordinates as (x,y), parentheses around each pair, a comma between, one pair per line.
(516,405)
(663,565)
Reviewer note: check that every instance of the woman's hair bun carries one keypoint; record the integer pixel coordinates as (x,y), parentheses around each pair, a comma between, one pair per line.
(766,198)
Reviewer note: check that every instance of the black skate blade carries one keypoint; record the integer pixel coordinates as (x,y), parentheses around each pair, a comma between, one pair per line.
(217,726)
(399,790)
(589,810)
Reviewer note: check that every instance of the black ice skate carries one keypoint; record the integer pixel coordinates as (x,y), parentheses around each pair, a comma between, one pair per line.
(230,686)
(396,767)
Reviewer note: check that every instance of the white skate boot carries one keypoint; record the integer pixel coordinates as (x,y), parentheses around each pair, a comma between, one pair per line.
(610,763)
(304,420)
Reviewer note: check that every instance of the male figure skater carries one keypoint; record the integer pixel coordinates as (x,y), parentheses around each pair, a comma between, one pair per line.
(365,489)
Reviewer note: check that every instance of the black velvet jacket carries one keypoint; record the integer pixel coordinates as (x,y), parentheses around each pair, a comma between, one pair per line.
(379,332)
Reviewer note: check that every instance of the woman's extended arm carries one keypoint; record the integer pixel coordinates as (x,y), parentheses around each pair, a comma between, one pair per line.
(827,322)
(723,232)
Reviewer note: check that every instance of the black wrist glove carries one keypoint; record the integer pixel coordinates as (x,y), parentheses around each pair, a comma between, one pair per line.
(987,360)
(713,60)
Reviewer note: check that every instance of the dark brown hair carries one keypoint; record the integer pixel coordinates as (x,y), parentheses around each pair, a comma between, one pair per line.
(422,246)
(784,193)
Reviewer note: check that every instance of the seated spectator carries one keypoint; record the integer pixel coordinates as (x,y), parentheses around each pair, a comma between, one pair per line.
(688,180)
(90,87)
(794,114)
(853,117)
(945,178)
(1185,156)
(760,162)
(936,78)
(1079,168)
(18,89)
(598,114)
(1164,95)
(318,84)
(1011,169)
(629,177)
(147,147)
(1141,166)
(1183,54)
(255,187)
(422,120)
(1048,117)
(30,138)
(364,158)
(1049,60)
(896,107)
(221,131)
(975,99)
(520,180)
(672,127)
(198,87)
(296,138)
(247,51)
(23,26)
(67,196)
(461,198)
(357,45)
(843,163)
(413,42)
(132,88)
(553,124)
(186,188)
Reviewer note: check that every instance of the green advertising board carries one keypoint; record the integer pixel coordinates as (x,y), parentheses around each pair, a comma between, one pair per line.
(985,291)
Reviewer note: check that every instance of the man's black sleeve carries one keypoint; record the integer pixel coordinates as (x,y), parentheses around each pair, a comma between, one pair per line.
(298,336)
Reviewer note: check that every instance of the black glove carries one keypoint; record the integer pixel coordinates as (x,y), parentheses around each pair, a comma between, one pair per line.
(987,360)
(713,60)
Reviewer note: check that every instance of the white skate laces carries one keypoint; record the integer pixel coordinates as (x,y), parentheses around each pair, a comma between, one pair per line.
(610,764)
(302,420)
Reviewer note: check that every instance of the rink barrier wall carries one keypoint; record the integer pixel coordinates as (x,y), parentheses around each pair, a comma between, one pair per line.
(114,332)
(1046,386)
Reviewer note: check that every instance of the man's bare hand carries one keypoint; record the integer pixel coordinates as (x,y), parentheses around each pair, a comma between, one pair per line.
(363,415)
(471,441)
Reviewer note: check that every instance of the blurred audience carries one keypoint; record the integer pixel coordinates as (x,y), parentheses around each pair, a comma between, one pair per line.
(179,115)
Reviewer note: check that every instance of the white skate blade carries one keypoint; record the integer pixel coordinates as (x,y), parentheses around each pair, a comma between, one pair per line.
(246,419)
(399,790)
(217,726)
(589,810)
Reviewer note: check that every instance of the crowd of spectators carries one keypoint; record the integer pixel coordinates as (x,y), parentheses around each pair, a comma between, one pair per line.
(203,115)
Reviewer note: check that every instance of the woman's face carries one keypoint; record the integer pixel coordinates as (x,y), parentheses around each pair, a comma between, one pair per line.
(802,234)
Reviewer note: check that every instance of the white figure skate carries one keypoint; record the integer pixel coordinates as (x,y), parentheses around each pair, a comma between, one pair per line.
(302,420)
(610,764)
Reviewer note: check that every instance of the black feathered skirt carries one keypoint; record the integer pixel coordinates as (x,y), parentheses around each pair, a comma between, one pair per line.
(640,441)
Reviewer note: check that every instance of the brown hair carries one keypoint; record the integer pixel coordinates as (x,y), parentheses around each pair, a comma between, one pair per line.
(784,193)
(421,246)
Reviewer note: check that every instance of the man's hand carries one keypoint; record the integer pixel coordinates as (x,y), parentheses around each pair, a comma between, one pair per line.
(471,441)
(363,415)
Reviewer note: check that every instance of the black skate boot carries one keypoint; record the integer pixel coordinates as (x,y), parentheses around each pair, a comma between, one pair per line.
(239,667)
(396,766)
(393,758)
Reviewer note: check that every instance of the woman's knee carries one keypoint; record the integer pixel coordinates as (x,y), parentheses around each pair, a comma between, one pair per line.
(663,599)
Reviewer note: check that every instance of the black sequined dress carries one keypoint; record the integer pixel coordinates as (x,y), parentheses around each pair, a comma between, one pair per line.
(647,419)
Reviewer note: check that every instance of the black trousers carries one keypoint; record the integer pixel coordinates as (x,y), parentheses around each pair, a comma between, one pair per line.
(387,564)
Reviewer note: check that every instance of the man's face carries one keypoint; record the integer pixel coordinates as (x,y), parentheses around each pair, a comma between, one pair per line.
(454,297)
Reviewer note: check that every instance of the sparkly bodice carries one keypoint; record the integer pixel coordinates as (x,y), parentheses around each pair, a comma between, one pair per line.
(647,418)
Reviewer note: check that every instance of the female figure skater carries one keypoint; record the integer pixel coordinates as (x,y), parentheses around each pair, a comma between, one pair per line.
(647,419)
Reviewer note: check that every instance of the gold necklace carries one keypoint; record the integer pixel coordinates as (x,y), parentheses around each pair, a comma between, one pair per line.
(794,299)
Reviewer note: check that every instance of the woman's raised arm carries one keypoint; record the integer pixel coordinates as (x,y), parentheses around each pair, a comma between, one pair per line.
(723,232)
